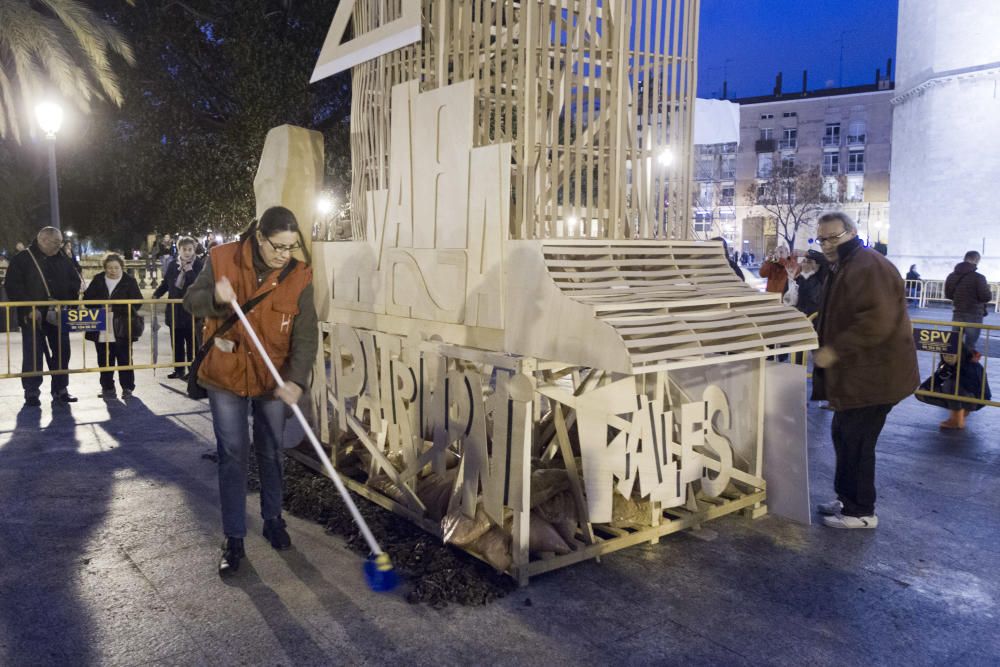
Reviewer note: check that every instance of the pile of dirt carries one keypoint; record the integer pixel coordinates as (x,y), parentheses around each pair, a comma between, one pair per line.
(434,573)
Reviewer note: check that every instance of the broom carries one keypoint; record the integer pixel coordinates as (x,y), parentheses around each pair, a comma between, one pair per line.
(379,573)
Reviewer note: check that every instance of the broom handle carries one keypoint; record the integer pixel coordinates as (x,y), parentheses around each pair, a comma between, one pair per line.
(358,519)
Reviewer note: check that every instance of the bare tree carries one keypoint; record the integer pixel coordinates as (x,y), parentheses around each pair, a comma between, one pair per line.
(793,196)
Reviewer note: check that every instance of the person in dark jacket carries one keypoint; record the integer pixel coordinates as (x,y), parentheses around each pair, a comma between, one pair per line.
(180,275)
(114,344)
(969,294)
(913,278)
(812,276)
(971,383)
(43,273)
(730,258)
(866,363)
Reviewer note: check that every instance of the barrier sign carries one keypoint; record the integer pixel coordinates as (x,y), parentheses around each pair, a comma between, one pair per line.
(936,340)
(84,318)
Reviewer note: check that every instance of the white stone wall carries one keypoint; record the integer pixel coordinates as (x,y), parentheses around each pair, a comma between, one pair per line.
(945,176)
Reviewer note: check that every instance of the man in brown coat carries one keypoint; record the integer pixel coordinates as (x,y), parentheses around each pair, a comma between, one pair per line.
(866,363)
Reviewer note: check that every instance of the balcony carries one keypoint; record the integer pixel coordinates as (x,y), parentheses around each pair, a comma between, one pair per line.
(856,168)
(728,174)
(788,144)
(726,201)
(831,169)
(764,145)
(856,140)
(831,142)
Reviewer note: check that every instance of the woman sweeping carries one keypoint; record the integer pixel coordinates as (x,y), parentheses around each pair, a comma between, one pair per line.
(276,292)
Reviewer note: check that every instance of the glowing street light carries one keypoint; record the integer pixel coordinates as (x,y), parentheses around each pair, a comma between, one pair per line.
(324,205)
(665,158)
(50,118)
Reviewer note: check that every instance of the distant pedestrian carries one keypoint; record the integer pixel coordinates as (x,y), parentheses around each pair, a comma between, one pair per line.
(969,293)
(181,274)
(731,259)
(114,343)
(866,363)
(18,247)
(812,276)
(165,252)
(260,266)
(42,272)
(779,268)
(914,285)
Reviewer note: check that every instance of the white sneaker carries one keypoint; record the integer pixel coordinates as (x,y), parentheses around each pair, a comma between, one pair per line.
(831,508)
(842,521)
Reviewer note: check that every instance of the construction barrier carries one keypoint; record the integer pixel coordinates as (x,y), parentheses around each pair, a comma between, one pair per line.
(70,320)
(923,292)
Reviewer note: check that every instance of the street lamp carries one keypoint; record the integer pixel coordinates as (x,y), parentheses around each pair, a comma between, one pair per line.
(50,118)
(666,157)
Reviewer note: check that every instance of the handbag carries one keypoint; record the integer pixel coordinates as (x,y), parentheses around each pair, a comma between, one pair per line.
(138,326)
(195,390)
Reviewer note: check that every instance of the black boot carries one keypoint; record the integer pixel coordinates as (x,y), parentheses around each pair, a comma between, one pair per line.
(232,552)
(274,531)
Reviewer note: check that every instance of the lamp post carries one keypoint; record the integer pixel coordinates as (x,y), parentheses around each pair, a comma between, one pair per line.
(50,117)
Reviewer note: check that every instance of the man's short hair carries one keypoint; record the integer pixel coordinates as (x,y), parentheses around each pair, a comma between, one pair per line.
(973,257)
(48,233)
(832,216)
(186,240)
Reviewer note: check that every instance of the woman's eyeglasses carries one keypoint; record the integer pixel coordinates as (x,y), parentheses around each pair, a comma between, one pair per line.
(282,249)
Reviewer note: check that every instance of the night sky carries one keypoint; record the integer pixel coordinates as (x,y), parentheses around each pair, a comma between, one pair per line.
(763,37)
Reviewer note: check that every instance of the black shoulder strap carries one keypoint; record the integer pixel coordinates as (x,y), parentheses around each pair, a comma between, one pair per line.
(246,308)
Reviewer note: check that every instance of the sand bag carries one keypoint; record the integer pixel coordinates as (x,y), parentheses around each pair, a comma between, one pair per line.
(542,537)
(456,528)
(494,546)
(547,482)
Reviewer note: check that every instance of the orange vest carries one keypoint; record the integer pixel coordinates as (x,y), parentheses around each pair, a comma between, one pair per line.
(242,371)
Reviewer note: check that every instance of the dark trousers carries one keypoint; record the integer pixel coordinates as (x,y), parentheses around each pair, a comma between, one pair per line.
(971,336)
(117,353)
(43,342)
(183,341)
(855,434)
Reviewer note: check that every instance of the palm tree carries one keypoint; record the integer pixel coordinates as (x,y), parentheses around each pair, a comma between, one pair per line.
(60,44)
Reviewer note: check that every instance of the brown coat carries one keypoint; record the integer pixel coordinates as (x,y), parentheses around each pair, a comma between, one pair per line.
(864,319)
(241,370)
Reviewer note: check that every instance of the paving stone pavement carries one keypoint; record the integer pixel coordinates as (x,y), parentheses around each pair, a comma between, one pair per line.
(109,536)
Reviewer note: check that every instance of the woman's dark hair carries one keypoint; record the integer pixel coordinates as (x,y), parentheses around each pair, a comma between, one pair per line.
(273,221)
(113,257)
(913,267)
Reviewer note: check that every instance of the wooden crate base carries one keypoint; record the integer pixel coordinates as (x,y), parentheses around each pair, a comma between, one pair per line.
(607,538)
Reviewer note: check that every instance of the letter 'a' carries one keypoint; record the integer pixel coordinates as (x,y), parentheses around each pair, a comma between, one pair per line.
(337,56)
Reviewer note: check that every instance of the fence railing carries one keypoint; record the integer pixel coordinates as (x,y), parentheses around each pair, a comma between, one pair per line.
(67,325)
(923,292)
(953,388)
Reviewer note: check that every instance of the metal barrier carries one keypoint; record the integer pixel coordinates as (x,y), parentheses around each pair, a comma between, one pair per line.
(983,346)
(925,291)
(71,316)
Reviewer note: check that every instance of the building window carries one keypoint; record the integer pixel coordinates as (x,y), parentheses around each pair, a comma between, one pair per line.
(765,163)
(856,162)
(787,162)
(728,196)
(855,188)
(789,138)
(766,116)
(705,169)
(831,164)
(830,188)
(766,133)
(856,134)
(790,114)
(728,166)
(832,135)
(703,221)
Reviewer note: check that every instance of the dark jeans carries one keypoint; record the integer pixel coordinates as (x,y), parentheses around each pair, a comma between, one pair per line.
(971,336)
(44,342)
(230,417)
(855,434)
(183,342)
(117,353)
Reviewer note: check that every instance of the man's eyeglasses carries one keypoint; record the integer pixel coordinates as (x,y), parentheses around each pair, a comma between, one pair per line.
(824,240)
(281,249)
